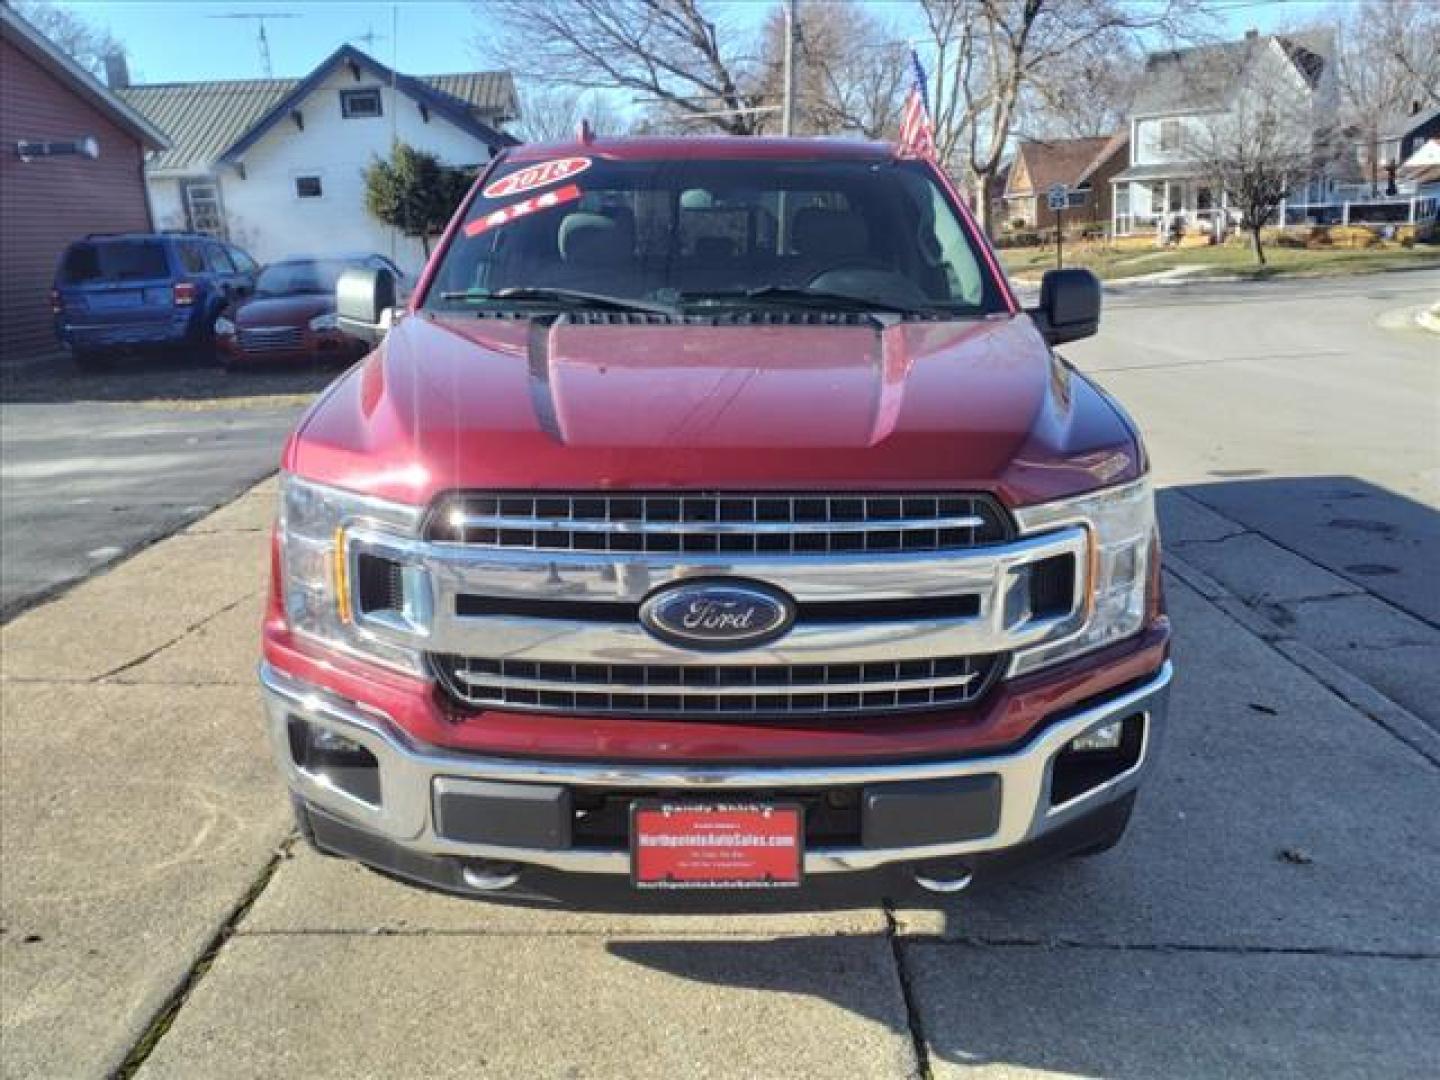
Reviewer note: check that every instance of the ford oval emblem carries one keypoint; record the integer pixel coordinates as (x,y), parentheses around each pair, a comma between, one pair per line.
(717,614)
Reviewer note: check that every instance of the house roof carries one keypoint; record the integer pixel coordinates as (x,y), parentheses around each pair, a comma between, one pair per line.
(214,121)
(1113,145)
(1054,161)
(43,51)
(1399,125)
(204,118)
(1162,171)
(1203,77)
(491,92)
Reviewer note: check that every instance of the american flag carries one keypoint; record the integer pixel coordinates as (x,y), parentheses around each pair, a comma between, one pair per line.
(917,137)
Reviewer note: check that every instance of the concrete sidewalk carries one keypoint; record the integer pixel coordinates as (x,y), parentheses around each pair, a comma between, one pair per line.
(1272,912)
(139,804)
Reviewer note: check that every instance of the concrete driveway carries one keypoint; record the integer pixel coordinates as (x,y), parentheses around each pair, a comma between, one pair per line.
(1273,912)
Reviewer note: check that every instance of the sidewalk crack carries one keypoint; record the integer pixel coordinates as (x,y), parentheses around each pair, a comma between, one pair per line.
(160,1023)
(918,1044)
(130,664)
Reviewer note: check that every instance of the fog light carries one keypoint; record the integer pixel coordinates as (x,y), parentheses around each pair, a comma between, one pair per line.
(330,742)
(335,760)
(1105,737)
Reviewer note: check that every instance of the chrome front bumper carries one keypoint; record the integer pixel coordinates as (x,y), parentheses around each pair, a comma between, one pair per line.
(408,771)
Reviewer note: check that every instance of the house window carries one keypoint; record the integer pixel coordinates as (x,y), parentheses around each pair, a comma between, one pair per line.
(1204,199)
(1169,135)
(308,187)
(360,104)
(1157,198)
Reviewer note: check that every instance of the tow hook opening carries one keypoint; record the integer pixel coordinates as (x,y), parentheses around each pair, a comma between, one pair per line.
(943,877)
(486,875)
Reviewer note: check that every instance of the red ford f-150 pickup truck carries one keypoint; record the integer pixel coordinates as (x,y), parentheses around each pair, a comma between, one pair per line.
(714,515)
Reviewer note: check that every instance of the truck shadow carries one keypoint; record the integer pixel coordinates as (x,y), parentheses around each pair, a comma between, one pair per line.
(1244,925)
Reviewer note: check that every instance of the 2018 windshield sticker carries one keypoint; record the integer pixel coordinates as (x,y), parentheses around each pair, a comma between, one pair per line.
(506,214)
(537,176)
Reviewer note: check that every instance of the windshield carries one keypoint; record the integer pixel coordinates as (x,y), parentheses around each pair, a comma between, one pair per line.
(300,276)
(693,233)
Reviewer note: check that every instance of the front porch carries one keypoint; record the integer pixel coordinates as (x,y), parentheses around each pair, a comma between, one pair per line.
(1172,208)
(1169,207)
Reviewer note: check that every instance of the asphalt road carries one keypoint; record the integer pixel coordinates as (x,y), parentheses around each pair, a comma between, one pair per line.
(1273,911)
(93,467)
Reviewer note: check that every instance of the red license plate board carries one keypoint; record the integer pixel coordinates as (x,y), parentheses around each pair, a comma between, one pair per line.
(716,845)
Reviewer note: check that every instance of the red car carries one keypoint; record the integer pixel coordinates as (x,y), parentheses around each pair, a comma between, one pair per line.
(715,517)
(291,314)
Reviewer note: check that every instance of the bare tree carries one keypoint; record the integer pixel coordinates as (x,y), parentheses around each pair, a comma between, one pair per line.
(552,113)
(1084,93)
(84,42)
(853,70)
(990,53)
(1389,65)
(1261,143)
(675,54)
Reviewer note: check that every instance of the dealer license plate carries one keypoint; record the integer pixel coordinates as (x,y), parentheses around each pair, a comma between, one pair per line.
(687,845)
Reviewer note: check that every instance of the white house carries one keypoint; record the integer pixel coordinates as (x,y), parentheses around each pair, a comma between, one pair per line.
(1185,93)
(276,165)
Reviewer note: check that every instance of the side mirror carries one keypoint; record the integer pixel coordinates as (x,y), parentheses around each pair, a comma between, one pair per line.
(362,298)
(1069,306)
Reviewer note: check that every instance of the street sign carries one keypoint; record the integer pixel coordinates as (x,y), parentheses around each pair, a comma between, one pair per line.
(1058,196)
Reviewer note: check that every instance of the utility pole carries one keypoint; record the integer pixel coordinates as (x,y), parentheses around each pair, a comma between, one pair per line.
(788,116)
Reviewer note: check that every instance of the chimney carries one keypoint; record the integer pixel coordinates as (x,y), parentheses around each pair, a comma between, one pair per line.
(117,71)
(1251,35)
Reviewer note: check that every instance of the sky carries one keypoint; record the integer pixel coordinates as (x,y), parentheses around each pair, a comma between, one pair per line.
(183,40)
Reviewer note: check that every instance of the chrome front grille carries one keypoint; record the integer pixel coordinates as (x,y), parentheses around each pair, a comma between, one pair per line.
(261,339)
(532,601)
(709,523)
(716,690)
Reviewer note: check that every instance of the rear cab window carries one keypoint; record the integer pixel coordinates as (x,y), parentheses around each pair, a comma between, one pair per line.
(192,259)
(106,261)
(219,261)
(713,232)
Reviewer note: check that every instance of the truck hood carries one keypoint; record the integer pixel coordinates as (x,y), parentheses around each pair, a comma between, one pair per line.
(458,401)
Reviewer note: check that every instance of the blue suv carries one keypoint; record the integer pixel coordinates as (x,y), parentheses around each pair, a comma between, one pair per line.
(117,291)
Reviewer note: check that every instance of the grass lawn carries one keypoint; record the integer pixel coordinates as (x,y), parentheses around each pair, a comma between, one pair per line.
(1112,264)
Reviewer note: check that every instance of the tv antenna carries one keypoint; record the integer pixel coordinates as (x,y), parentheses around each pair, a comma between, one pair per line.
(368,39)
(260,17)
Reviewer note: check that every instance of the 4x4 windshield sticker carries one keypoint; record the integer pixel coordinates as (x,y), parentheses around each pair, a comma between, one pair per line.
(506,214)
(537,176)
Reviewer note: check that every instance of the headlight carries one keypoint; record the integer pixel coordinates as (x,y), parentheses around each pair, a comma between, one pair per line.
(1122,534)
(330,542)
(324,322)
(224,327)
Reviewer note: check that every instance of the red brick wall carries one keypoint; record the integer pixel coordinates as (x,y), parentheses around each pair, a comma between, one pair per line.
(46,203)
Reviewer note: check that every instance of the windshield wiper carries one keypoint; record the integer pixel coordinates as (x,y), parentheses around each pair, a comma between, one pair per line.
(809,298)
(573,298)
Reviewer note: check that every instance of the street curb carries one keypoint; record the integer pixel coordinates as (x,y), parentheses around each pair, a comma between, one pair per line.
(1168,279)
(60,589)
(1399,721)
